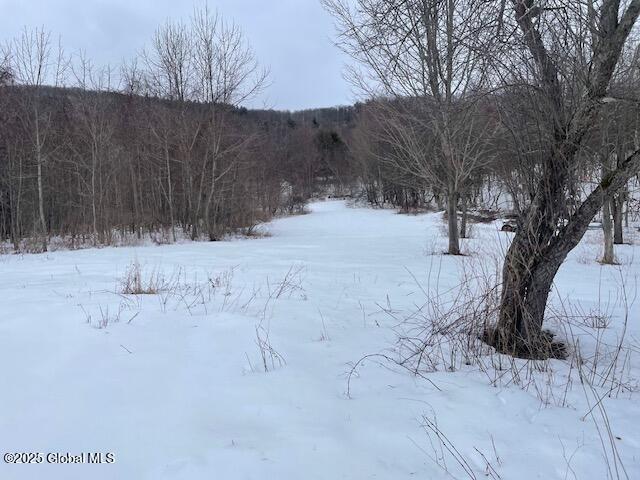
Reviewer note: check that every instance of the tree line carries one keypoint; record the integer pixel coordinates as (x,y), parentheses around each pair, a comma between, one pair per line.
(162,145)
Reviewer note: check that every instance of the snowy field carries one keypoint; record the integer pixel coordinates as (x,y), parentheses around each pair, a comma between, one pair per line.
(174,384)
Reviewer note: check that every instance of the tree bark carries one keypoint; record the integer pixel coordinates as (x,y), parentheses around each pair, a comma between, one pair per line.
(533,259)
(525,293)
(452,218)
(608,256)
(617,203)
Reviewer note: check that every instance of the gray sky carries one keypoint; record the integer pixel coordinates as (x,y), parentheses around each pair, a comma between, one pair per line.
(292,37)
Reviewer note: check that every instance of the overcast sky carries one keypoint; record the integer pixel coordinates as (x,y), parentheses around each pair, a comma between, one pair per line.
(291,37)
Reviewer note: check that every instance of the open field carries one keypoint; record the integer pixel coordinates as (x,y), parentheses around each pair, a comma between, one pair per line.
(234,360)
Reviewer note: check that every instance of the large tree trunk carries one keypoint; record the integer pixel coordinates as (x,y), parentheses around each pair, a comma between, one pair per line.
(528,272)
(608,256)
(533,259)
(452,219)
(525,293)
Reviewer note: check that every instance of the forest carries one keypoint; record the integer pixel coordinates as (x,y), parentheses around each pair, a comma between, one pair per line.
(167,151)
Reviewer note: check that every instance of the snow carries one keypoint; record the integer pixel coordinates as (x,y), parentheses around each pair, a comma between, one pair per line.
(174,385)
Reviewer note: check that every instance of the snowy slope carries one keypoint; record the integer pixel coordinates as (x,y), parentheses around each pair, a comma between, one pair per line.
(174,384)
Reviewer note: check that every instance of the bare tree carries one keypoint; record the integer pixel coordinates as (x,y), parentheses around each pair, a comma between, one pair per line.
(414,150)
(573,83)
(168,62)
(34,66)
(226,69)
(226,74)
(94,130)
(430,51)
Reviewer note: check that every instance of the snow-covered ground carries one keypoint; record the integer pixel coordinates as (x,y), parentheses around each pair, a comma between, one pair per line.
(174,384)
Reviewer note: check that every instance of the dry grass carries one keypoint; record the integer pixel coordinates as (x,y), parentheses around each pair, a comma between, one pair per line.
(446,332)
(134,283)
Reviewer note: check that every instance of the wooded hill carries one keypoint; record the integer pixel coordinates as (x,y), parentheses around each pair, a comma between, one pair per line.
(89,165)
